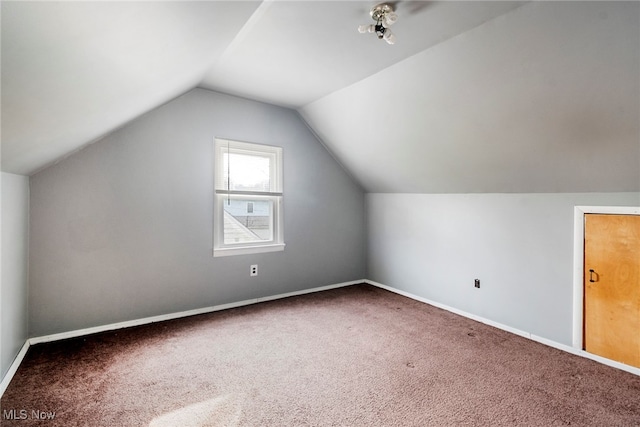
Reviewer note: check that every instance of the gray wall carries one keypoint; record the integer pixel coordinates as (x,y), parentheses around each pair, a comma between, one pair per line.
(122,229)
(519,245)
(13,289)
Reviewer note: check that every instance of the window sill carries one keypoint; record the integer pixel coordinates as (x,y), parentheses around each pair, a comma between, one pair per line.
(248,250)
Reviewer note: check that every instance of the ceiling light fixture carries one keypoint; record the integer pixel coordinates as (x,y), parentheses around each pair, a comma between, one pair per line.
(385,17)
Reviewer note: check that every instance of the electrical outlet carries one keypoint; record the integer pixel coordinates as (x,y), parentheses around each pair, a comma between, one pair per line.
(254,270)
(476,283)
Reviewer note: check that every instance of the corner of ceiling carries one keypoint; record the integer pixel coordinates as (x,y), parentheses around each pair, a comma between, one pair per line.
(331,153)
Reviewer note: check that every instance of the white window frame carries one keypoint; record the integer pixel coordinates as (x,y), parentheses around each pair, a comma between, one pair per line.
(221,194)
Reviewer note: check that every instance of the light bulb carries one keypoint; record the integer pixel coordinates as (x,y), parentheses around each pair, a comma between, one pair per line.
(390,19)
(389,37)
(367,28)
(363,28)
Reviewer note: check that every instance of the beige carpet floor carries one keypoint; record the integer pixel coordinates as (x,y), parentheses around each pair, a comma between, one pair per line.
(355,356)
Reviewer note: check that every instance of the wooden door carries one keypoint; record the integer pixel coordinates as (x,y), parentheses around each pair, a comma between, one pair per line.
(612,287)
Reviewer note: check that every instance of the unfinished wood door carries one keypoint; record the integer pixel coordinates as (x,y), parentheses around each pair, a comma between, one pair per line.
(612,287)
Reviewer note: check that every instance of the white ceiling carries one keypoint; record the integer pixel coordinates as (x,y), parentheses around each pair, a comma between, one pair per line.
(544,99)
(474,96)
(74,71)
(295,52)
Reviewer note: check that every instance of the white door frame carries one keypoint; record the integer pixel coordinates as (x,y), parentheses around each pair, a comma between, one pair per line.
(578,261)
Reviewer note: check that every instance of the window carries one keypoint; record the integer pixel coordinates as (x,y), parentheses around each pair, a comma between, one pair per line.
(248,198)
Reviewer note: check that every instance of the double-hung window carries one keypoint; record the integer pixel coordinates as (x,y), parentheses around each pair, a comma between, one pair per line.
(248,198)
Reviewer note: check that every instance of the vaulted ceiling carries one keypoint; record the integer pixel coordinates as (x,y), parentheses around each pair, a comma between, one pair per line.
(474,96)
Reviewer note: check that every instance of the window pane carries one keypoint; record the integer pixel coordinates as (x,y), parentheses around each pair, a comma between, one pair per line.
(248,198)
(246,172)
(242,226)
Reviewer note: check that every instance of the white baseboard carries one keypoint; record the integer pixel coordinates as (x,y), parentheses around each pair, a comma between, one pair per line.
(178,315)
(452,309)
(14,367)
(147,320)
(586,355)
(528,335)
(138,322)
(312,290)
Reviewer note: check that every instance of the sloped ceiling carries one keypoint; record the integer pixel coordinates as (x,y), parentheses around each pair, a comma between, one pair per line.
(544,99)
(295,52)
(474,96)
(74,71)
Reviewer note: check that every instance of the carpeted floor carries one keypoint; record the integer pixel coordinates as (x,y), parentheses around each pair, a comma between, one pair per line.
(355,356)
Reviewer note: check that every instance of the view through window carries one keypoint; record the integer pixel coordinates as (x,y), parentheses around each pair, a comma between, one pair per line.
(248,197)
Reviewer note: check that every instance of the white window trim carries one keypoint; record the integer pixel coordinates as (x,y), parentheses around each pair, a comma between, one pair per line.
(277,244)
(248,250)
